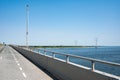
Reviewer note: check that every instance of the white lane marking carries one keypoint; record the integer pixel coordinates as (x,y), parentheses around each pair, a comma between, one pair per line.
(18,64)
(24,74)
(20,68)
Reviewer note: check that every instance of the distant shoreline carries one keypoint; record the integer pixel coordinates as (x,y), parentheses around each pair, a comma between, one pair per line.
(62,46)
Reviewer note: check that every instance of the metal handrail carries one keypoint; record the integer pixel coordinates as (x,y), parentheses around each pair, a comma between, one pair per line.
(80,57)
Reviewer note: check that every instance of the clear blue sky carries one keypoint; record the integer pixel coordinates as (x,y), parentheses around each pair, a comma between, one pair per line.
(61,22)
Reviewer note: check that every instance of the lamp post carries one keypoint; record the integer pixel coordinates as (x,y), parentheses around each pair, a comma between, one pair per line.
(27,24)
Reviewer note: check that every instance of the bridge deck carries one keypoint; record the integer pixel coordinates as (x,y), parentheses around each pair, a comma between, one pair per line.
(13,66)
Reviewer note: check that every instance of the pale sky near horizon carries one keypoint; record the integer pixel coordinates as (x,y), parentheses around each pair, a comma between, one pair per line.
(61,22)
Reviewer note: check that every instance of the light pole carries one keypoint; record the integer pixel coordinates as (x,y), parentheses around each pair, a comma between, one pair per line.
(27,24)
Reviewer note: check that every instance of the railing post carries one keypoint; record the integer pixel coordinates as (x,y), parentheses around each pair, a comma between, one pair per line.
(93,65)
(53,55)
(67,58)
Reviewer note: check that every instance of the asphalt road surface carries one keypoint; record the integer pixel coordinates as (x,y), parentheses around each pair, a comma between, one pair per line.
(13,66)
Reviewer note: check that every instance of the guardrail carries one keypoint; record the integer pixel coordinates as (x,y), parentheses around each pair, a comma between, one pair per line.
(63,69)
(80,57)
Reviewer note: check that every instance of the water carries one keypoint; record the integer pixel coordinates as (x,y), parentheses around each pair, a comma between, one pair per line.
(111,54)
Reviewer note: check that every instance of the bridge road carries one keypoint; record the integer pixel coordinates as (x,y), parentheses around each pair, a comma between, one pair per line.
(13,66)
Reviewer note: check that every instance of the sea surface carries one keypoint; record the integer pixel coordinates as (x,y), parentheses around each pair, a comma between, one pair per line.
(111,54)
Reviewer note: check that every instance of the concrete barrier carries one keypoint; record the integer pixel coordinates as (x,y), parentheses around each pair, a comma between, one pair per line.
(66,71)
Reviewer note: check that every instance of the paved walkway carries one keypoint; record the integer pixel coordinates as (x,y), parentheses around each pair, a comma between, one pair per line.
(13,66)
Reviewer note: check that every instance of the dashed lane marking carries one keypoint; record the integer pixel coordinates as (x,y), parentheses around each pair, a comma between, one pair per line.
(24,74)
(18,64)
(20,68)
